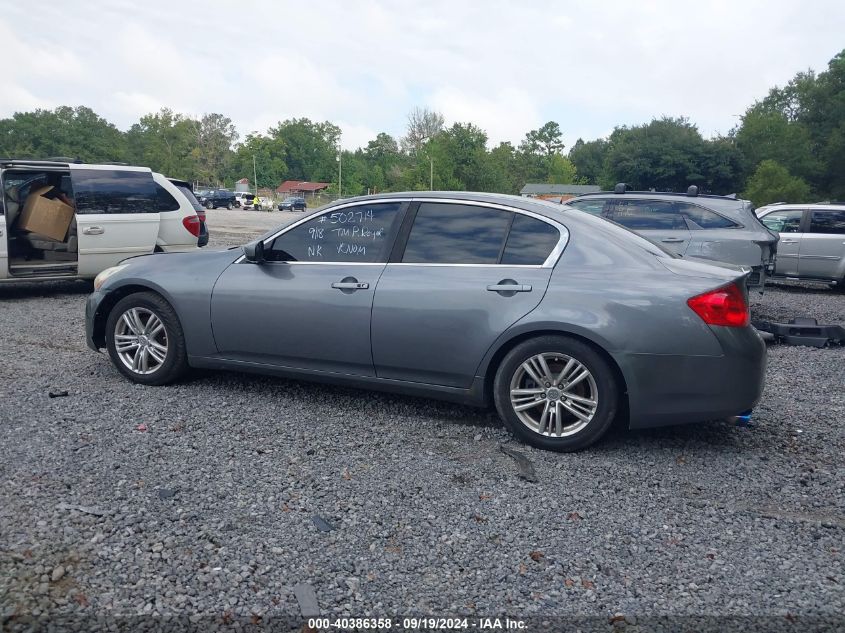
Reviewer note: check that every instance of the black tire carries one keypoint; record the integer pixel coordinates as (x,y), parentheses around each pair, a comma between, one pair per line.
(230,206)
(209,205)
(607,396)
(176,359)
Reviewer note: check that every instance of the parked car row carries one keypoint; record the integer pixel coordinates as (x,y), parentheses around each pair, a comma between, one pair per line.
(560,319)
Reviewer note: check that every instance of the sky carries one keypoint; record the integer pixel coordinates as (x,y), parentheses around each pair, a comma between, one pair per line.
(364,65)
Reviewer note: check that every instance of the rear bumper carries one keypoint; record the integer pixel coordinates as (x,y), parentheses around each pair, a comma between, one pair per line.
(674,389)
(179,248)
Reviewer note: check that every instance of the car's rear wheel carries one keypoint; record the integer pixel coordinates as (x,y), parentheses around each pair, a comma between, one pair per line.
(556,393)
(229,206)
(145,339)
(209,205)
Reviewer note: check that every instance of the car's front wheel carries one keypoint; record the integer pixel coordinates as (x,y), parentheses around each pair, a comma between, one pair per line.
(145,339)
(230,206)
(209,205)
(556,393)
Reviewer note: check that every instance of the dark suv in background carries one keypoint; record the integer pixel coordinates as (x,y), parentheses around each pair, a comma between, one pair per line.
(293,204)
(719,228)
(217,198)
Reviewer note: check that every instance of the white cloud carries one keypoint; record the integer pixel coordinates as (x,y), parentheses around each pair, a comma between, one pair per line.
(505,66)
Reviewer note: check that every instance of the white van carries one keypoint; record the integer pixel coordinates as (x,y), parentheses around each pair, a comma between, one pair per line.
(72,220)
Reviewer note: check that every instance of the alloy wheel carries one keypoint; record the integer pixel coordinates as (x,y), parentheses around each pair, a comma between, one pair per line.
(140,340)
(553,394)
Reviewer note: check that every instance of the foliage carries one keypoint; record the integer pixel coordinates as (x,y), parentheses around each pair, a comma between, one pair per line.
(772,182)
(65,131)
(423,125)
(545,141)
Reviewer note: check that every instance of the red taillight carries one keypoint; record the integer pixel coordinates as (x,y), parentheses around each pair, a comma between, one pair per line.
(722,306)
(201,215)
(192,223)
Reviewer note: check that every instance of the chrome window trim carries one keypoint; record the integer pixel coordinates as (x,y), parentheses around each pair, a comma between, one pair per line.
(550,261)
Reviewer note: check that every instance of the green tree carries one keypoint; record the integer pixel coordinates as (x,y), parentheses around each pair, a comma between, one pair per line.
(562,171)
(770,135)
(68,132)
(311,149)
(215,134)
(269,155)
(772,182)
(589,159)
(544,141)
(165,142)
(664,155)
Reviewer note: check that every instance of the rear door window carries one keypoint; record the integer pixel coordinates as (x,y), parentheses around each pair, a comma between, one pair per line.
(457,234)
(530,242)
(828,222)
(787,221)
(114,191)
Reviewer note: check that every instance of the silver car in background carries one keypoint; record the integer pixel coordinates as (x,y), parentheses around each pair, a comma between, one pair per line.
(692,225)
(812,240)
(561,320)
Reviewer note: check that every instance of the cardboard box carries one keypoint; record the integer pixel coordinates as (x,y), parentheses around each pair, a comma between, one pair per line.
(41,215)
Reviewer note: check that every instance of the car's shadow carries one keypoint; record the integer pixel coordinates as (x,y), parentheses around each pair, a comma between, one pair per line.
(717,434)
(29,290)
(392,403)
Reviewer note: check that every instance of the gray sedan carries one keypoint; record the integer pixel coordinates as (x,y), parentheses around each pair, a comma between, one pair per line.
(560,319)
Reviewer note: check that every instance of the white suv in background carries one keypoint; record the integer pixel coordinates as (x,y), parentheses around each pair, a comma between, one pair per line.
(72,220)
(812,240)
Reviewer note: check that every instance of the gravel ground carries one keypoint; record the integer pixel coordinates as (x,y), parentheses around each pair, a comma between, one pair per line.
(225,495)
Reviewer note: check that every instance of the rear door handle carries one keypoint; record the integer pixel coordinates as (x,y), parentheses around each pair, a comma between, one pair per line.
(672,240)
(509,288)
(94,230)
(792,242)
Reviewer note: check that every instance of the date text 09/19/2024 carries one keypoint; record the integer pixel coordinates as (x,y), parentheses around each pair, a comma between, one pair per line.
(415,624)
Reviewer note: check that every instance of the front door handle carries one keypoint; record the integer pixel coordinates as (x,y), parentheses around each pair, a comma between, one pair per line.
(790,241)
(348,285)
(672,240)
(94,230)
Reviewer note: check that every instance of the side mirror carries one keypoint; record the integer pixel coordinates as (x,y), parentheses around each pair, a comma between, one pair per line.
(254,252)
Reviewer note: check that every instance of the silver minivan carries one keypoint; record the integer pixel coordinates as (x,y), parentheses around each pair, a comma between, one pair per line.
(812,240)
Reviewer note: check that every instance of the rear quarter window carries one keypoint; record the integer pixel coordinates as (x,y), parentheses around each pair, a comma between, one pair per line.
(701,218)
(530,242)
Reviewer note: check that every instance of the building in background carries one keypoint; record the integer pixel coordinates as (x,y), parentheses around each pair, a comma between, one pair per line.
(301,187)
(242,185)
(556,193)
